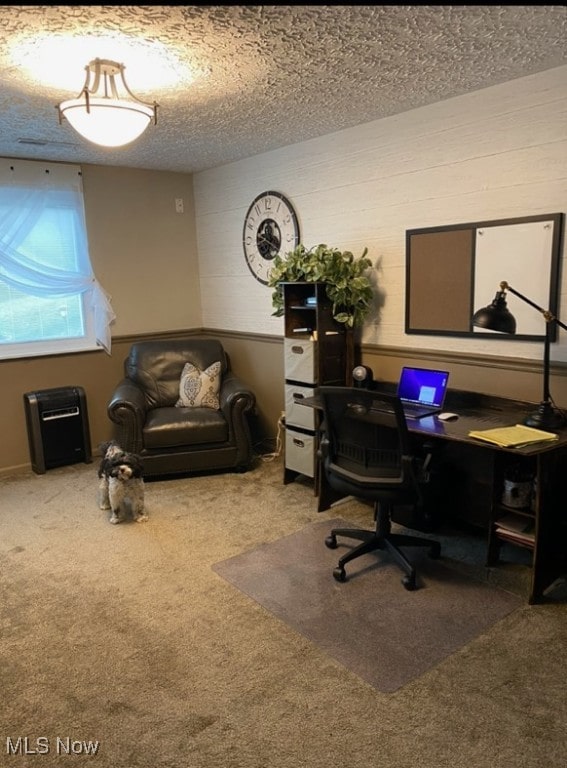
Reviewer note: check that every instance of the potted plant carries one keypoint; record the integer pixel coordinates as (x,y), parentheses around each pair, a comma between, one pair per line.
(347,286)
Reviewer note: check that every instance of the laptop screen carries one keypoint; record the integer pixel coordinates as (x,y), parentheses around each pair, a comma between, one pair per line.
(423,386)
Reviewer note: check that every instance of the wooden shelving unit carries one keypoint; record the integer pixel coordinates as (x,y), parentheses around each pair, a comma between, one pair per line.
(317,351)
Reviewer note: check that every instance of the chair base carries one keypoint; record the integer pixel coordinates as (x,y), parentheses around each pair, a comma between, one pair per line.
(372,541)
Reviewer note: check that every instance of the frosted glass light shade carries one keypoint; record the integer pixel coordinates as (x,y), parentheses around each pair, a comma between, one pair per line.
(107,122)
(101,114)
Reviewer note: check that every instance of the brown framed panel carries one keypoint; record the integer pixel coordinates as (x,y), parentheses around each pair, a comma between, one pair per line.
(440,272)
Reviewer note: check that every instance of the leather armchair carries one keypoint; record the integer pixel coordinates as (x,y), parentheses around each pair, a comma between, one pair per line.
(177,440)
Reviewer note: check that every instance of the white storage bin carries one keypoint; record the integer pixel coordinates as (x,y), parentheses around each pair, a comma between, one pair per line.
(297,415)
(299,360)
(300,452)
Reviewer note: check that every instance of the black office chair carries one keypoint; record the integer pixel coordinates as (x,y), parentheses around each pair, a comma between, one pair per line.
(365,453)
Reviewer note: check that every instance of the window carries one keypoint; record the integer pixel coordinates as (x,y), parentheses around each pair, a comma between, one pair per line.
(50,300)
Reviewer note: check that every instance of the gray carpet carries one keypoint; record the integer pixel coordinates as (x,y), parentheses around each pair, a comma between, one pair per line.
(370,624)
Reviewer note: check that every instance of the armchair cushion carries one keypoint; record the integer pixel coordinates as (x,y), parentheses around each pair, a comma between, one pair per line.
(172,427)
(199,388)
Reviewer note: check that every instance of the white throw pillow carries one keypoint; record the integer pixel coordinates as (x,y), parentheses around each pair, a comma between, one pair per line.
(199,388)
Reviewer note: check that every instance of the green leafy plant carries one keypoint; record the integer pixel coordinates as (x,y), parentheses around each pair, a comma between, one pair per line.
(348,287)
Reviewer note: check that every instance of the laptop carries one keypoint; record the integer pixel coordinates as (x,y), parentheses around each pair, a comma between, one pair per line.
(422,391)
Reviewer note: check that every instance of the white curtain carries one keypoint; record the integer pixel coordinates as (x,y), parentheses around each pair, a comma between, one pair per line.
(23,198)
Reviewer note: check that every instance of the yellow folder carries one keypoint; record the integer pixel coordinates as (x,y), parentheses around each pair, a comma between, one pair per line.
(515,436)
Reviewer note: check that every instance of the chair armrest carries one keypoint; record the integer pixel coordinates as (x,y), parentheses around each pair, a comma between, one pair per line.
(232,390)
(236,402)
(127,409)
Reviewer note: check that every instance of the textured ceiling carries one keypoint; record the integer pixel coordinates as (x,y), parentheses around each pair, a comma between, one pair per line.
(235,81)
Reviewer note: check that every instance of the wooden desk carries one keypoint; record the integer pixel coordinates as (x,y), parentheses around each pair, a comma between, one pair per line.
(474,472)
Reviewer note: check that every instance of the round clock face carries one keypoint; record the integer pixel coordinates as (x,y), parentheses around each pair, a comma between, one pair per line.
(270,228)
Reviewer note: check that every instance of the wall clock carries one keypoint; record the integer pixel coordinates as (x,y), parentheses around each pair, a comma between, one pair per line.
(270,229)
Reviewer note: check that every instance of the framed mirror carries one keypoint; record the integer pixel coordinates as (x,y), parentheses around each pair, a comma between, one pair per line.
(452,271)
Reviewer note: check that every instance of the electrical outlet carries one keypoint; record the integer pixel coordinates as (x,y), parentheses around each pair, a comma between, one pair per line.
(178,205)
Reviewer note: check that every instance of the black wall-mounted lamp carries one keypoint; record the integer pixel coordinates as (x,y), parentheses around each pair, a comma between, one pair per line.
(497,317)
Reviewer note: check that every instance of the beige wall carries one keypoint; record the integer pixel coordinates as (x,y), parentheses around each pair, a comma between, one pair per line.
(143,252)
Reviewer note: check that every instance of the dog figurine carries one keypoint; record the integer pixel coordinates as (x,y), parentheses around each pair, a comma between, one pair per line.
(121,480)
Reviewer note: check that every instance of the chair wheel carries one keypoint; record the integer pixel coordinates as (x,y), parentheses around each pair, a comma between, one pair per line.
(339,573)
(331,541)
(435,551)
(409,583)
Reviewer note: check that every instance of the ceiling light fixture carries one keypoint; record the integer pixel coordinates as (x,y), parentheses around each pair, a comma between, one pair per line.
(101,114)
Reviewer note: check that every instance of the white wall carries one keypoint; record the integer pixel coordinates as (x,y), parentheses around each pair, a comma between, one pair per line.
(494,154)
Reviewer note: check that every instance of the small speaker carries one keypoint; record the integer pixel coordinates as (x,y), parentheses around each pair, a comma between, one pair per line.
(58,427)
(363,376)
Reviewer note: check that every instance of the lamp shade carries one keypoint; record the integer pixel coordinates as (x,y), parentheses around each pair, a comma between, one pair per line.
(496,316)
(104,115)
(108,122)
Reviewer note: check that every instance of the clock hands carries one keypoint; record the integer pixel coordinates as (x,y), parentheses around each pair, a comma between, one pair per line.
(268,241)
(267,249)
